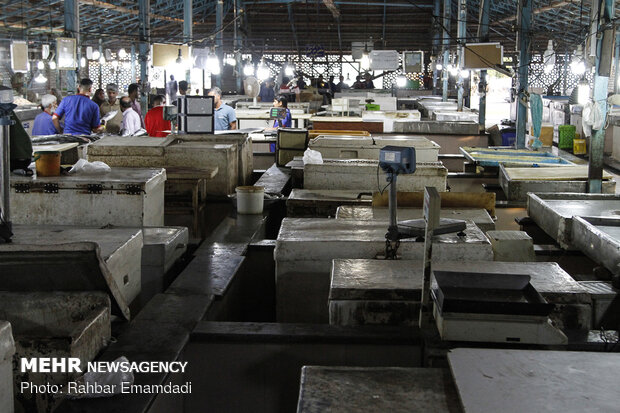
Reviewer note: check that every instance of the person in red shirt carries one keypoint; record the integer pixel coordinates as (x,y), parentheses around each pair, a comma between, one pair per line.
(154,119)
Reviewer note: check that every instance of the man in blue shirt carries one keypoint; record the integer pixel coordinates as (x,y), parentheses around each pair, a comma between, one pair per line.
(81,114)
(43,124)
(225,118)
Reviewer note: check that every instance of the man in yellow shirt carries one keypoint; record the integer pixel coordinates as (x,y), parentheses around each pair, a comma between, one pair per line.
(112,103)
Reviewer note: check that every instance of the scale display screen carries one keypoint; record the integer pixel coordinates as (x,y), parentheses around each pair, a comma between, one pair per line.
(277,113)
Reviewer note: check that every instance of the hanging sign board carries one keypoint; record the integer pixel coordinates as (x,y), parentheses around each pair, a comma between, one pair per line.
(384,60)
(413,62)
(167,54)
(483,56)
(65,53)
(19,56)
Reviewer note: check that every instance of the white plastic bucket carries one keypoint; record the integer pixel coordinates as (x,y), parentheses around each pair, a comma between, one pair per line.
(250,199)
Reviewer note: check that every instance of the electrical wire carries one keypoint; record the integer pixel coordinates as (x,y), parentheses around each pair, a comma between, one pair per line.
(381,191)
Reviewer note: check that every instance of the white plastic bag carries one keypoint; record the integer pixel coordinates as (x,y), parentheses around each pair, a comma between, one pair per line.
(96,380)
(312,157)
(82,166)
(592,118)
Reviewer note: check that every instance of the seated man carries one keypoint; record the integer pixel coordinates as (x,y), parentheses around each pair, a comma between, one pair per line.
(43,124)
(131,119)
(154,119)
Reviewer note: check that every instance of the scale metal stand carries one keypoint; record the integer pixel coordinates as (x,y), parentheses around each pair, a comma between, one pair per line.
(395,160)
(6,107)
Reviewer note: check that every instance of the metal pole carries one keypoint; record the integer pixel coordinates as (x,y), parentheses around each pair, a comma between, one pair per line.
(483,36)
(461,34)
(432,211)
(524,15)
(72,29)
(565,70)
(145,38)
(5,122)
(384,21)
(133,63)
(447,8)
(616,62)
(604,50)
(187,30)
(236,43)
(100,65)
(392,203)
(436,42)
(219,36)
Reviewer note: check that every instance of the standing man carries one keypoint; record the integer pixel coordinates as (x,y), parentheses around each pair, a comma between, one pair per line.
(172,89)
(267,94)
(154,119)
(225,118)
(341,85)
(133,91)
(131,120)
(112,103)
(300,82)
(43,124)
(81,114)
(183,88)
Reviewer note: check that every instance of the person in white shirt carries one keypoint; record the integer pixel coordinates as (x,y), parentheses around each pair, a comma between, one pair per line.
(131,120)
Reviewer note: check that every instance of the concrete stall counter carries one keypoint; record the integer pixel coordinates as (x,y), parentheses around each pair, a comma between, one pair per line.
(305,249)
(365,147)
(365,176)
(123,197)
(479,216)
(57,258)
(376,389)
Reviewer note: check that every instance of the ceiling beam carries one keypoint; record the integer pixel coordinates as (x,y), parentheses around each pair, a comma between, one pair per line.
(536,11)
(21,26)
(133,12)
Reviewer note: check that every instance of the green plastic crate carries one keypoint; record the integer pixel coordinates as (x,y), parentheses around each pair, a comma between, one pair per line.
(372,106)
(566,136)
